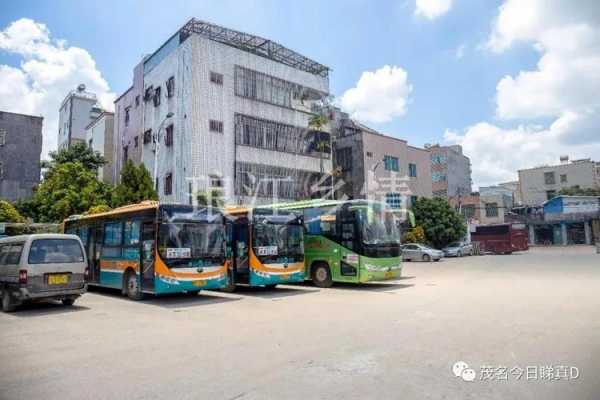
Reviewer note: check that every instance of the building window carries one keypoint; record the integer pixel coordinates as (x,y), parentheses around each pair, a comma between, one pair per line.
(156,98)
(216,78)
(148,93)
(215,126)
(271,135)
(2,137)
(391,163)
(216,181)
(438,177)
(125,154)
(438,159)
(412,170)
(169,184)
(136,142)
(169,136)
(491,210)
(127,115)
(344,158)
(550,194)
(468,210)
(262,180)
(563,178)
(171,87)
(148,136)
(549,178)
(369,154)
(137,101)
(394,200)
(262,87)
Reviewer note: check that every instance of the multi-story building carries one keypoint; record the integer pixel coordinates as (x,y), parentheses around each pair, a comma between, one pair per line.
(77,110)
(509,189)
(482,209)
(450,171)
(20,150)
(543,183)
(371,165)
(226,109)
(99,137)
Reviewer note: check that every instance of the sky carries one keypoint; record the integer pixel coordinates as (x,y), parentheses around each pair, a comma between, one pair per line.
(515,82)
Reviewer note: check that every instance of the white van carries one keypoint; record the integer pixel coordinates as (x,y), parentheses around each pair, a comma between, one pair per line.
(40,267)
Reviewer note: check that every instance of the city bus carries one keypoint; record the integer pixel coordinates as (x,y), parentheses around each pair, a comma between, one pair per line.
(349,241)
(268,247)
(152,248)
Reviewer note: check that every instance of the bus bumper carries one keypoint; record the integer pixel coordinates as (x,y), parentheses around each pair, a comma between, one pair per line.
(383,275)
(179,286)
(263,279)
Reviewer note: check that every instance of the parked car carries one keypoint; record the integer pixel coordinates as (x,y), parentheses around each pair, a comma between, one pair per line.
(420,252)
(41,267)
(458,249)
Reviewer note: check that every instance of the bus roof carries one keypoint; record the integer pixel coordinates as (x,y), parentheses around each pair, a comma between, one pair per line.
(144,205)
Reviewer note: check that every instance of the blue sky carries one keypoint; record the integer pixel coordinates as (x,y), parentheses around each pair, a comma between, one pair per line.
(353,36)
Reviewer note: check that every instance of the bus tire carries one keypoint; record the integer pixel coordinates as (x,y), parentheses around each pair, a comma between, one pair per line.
(321,275)
(132,286)
(270,287)
(7,304)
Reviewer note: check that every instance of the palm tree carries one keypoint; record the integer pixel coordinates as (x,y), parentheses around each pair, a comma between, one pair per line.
(316,123)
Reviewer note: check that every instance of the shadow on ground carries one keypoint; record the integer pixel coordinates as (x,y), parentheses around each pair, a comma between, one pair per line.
(40,309)
(275,293)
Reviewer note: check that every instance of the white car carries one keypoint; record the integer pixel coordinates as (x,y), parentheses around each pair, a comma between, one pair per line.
(420,252)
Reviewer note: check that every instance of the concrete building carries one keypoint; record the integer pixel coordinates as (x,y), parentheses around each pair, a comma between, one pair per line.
(20,150)
(450,171)
(77,110)
(99,137)
(566,220)
(228,110)
(376,166)
(510,189)
(482,209)
(540,184)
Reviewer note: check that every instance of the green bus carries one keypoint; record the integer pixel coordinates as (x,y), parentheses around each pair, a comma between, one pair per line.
(349,241)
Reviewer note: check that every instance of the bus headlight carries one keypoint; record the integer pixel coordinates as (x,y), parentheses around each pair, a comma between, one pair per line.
(371,267)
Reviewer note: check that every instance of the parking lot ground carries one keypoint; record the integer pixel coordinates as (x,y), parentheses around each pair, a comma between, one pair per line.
(395,340)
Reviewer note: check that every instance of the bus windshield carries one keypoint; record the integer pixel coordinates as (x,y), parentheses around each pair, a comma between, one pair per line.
(378,226)
(193,244)
(273,241)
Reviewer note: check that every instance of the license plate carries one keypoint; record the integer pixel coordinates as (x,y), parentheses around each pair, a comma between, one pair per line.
(389,274)
(58,279)
(199,283)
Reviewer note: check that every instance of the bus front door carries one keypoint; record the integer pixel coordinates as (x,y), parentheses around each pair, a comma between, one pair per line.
(147,261)
(241,247)
(94,252)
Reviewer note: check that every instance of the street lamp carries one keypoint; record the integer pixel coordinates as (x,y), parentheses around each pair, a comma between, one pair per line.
(157,148)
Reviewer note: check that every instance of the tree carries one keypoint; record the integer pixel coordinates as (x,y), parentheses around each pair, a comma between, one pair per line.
(136,186)
(213,198)
(77,152)
(579,191)
(100,208)
(68,188)
(317,122)
(440,222)
(414,235)
(8,213)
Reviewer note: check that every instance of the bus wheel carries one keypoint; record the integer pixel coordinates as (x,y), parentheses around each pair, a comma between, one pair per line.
(7,304)
(132,287)
(321,275)
(270,287)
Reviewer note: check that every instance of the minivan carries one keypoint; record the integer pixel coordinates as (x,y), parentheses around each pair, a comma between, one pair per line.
(41,267)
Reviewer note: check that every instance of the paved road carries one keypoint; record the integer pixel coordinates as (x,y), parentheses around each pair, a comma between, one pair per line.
(388,341)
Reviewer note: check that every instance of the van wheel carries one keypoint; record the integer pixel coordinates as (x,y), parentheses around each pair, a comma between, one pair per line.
(7,304)
(321,275)
(68,302)
(132,286)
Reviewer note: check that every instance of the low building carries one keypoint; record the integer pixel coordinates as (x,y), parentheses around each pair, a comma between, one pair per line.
(450,171)
(20,151)
(77,110)
(480,209)
(509,189)
(540,184)
(376,166)
(99,137)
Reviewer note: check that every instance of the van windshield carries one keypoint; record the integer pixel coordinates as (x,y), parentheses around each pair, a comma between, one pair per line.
(52,251)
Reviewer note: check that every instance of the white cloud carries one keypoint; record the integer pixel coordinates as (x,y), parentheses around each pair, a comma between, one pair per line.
(49,69)
(379,95)
(432,9)
(562,87)
(460,51)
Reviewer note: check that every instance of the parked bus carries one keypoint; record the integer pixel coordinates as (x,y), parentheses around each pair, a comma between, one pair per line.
(268,247)
(501,238)
(149,248)
(349,241)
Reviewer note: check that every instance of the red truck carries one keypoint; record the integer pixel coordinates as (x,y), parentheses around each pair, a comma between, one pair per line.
(501,238)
